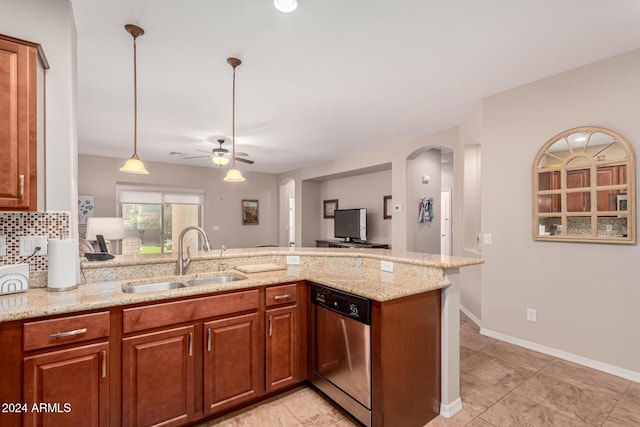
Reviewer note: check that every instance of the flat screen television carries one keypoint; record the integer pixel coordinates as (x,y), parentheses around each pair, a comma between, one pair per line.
(350,224)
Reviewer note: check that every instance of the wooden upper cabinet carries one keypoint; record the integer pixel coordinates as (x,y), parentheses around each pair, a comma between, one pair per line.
(18,123)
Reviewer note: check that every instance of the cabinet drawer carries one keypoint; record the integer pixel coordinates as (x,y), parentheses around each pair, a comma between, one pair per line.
(72,329)
(171,313)
(284,294)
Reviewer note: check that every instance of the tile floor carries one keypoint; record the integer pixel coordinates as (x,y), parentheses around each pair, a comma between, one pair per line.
(502,385)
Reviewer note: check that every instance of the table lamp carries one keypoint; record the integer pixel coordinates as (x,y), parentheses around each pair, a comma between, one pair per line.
(110,228)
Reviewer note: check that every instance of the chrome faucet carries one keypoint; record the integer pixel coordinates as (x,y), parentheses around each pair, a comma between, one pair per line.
(221,266)
(184,263)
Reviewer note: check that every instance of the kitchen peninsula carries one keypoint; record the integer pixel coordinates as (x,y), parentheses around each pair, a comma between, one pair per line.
(197,331)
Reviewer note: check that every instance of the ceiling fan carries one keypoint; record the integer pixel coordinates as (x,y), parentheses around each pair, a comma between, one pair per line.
(220,156)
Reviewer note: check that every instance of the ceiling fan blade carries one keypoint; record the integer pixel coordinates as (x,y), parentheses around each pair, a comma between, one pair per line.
(195,157)
(205,151)
(250,162)
(242,154)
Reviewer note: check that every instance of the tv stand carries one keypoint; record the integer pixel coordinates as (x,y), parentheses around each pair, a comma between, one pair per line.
(352,244)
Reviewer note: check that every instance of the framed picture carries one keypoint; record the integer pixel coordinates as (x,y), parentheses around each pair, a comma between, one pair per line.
(386,207)
(329,207)
(250,212)
(85,208)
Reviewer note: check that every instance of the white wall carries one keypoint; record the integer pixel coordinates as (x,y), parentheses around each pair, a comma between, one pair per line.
(470,277)
(50,23)
(586,295)
(362,191)
(98,175)
(424,237)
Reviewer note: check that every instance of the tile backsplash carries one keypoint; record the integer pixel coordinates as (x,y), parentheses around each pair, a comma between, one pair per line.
(53,225)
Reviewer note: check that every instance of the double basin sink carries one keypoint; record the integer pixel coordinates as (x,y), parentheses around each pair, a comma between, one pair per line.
(168,285)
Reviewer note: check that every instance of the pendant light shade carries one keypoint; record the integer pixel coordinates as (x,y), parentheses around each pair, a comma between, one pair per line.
(234,175)
(134,164)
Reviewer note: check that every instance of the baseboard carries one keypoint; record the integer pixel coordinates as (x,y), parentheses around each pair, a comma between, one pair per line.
(471,316)
(580,360)
(448,411)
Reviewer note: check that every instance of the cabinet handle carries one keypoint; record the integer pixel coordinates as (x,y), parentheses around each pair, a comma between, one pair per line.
(21,186)
(104,363)
(270,325)
(209,340)
(279,297)
(68,333)
(190,343)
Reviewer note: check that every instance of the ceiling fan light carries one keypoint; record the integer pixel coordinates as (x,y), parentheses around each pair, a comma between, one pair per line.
(285,6)
(134,165)
(234,175)
(220,160)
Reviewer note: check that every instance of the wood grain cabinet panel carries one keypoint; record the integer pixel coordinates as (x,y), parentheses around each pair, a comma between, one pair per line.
(158,378)
(18,139)
(281,354)
(231,362)
(69,387)
(65,330)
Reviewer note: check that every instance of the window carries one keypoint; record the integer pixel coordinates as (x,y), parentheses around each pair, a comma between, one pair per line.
(158,215)
(584,188)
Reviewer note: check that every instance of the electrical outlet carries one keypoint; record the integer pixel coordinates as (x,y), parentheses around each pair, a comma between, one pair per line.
(531,315)
(386,266)
(487,239)
(3,246)
(293,260)
(28,245)
(216,228)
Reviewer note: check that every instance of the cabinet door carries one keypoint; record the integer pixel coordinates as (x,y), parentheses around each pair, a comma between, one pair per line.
(158,378)
(231,362)
(17,126)
(281,348)
(68,387)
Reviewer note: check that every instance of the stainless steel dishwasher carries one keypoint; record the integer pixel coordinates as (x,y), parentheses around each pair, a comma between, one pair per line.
(341,358)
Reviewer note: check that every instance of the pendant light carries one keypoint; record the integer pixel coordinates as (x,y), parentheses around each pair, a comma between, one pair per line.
(285,6)
(134,164)
(233,175)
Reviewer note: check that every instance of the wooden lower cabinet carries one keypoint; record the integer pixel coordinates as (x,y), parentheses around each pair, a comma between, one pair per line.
(158,378)
(68,387)
(231,362)
(281,352)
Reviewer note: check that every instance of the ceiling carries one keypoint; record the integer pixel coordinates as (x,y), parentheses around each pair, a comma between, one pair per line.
(330,79)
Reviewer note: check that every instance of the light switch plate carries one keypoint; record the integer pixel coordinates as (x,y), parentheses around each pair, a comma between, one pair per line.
(3,246)
(386,266)
(293,260)
(487,239)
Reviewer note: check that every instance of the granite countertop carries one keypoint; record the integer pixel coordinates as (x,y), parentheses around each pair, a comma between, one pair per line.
(339,272)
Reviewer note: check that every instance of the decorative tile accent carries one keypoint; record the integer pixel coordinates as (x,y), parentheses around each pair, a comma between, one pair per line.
(54,225)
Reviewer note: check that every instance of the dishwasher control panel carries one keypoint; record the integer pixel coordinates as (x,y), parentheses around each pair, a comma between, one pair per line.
(349,305)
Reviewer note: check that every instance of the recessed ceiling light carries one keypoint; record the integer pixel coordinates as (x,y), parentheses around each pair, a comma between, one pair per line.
(285,6)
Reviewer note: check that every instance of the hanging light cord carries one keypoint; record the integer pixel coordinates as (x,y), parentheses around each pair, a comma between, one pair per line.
(233,120)
(135,99)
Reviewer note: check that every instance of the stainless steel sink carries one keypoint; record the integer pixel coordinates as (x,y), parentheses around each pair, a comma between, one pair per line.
(152,287)
(220,278)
